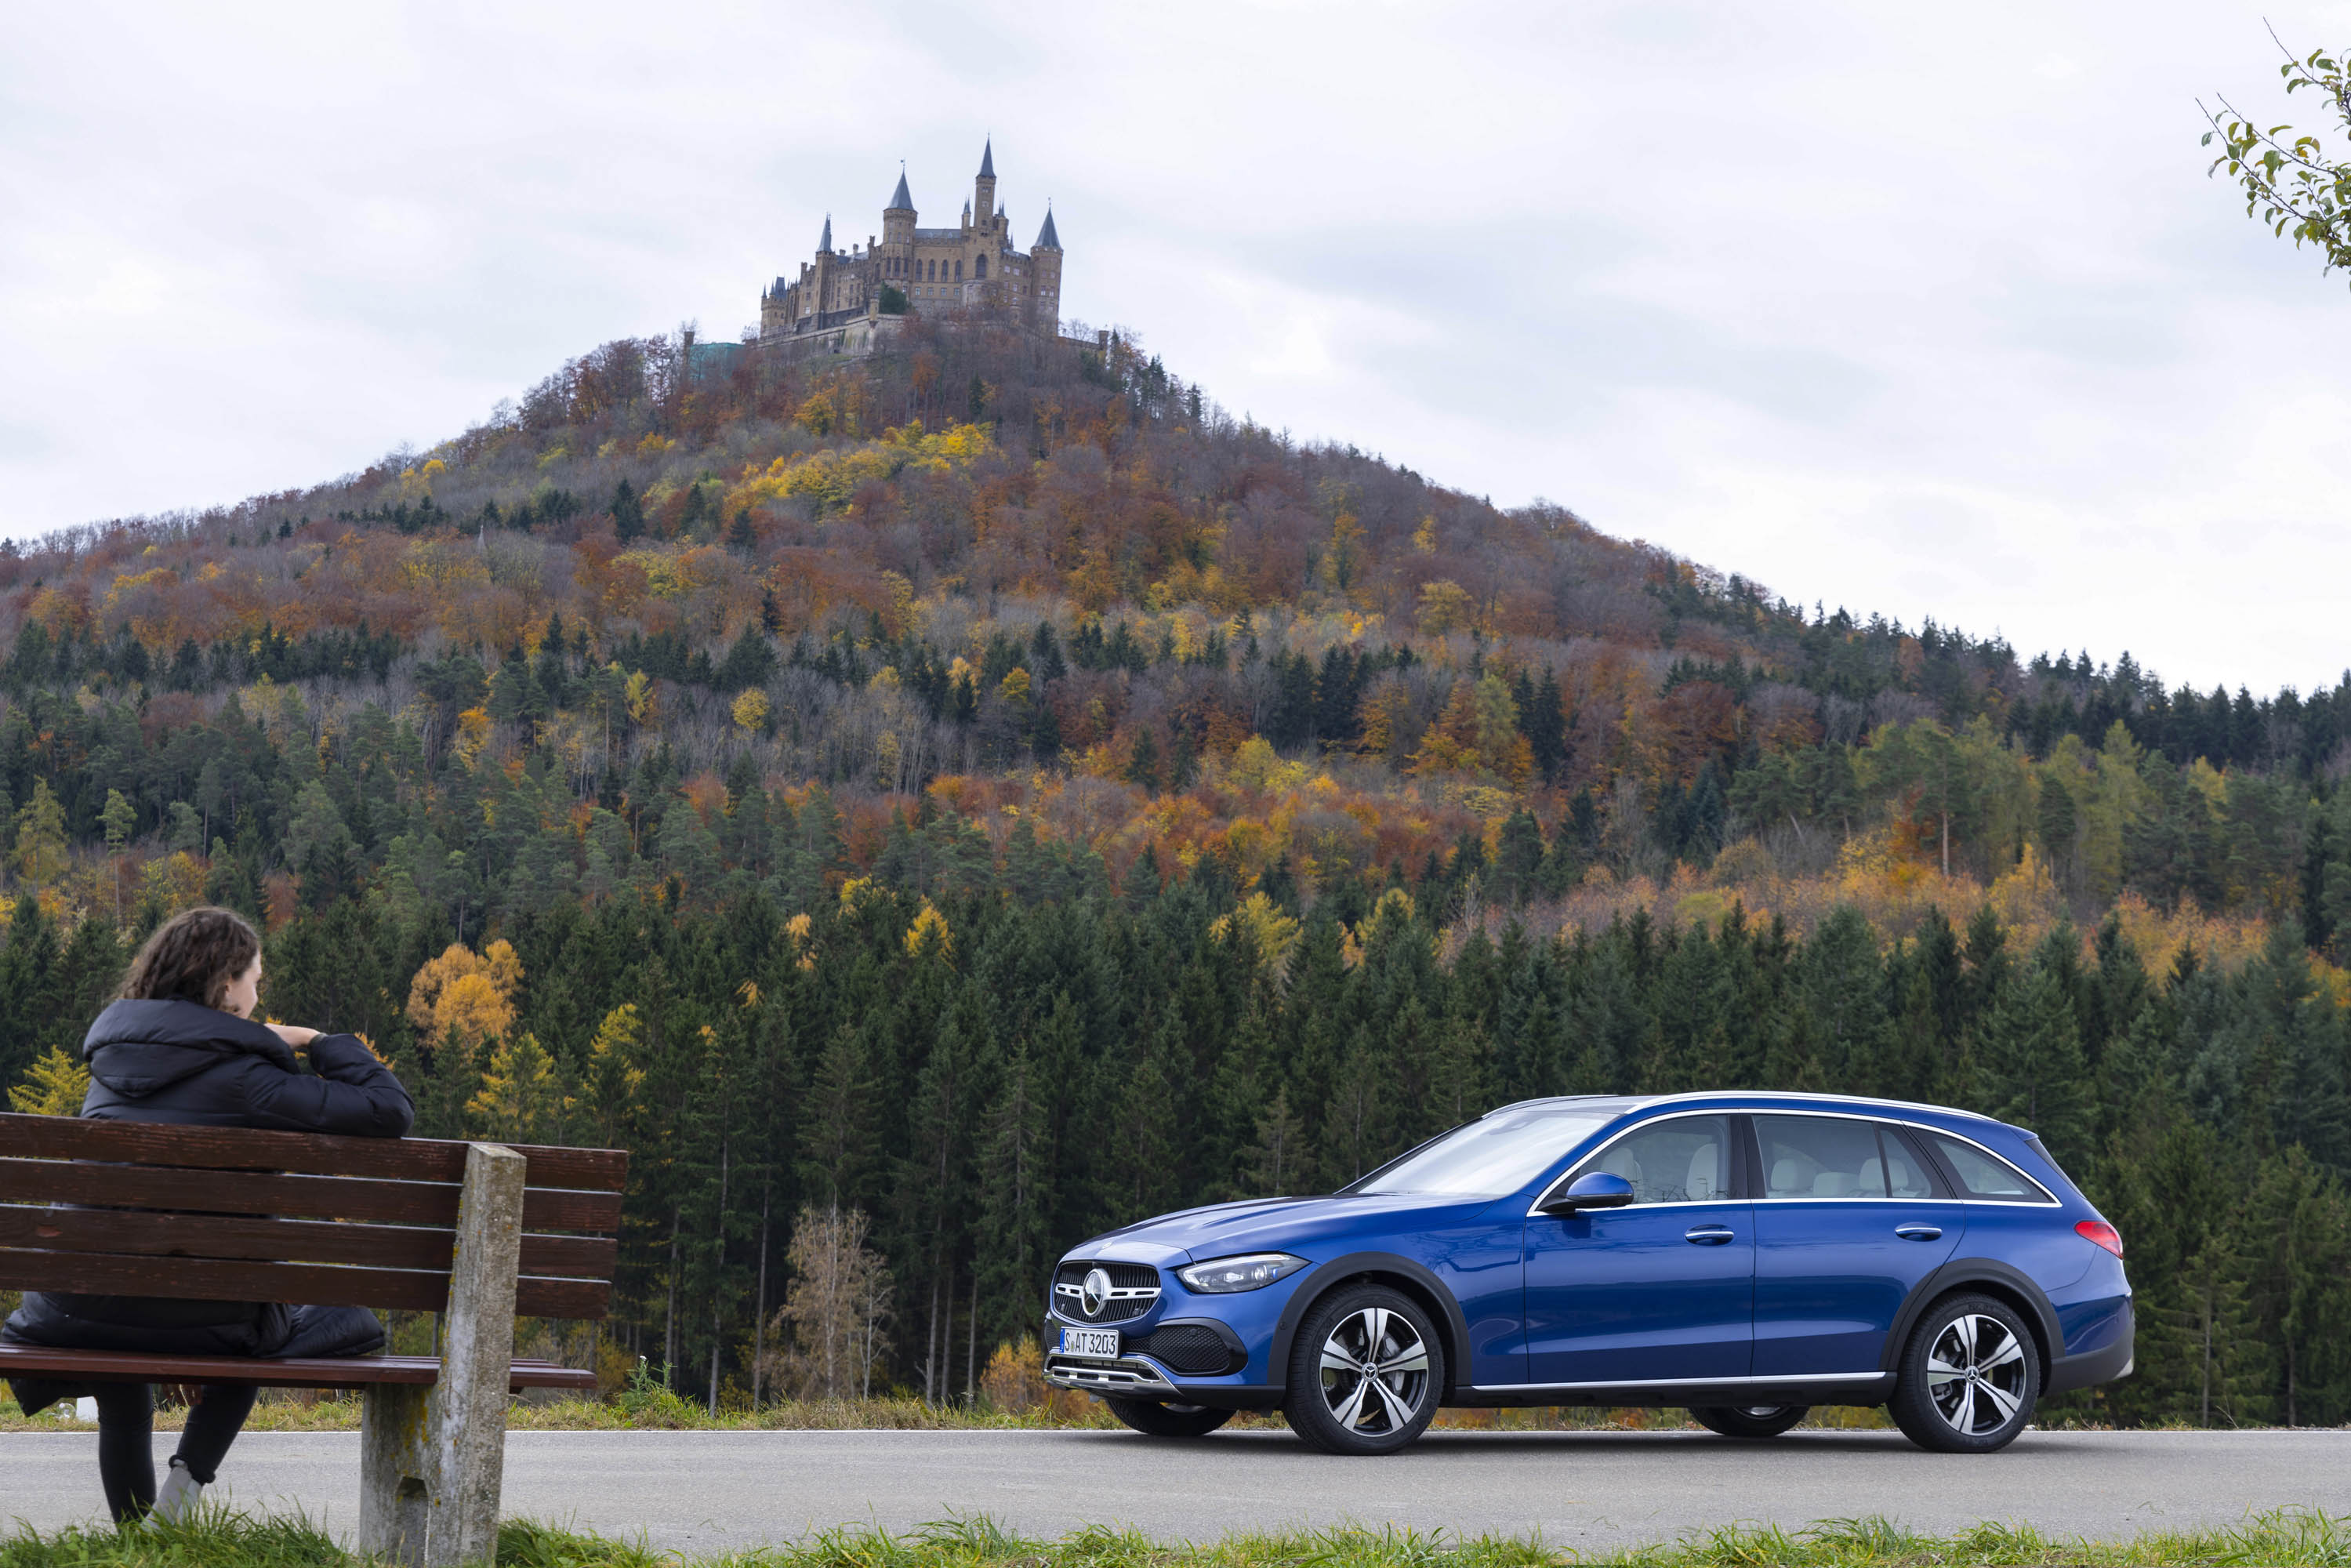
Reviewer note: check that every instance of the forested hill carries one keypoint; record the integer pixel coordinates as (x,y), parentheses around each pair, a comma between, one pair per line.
(991,789)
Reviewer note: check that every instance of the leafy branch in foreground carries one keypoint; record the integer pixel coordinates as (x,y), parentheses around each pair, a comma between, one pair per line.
(2293,186)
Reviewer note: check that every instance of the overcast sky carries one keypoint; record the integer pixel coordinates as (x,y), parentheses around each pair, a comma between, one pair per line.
(1926,310)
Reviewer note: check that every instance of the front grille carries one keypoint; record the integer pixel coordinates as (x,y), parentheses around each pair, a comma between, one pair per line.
(1186,1347)
(1134,1287)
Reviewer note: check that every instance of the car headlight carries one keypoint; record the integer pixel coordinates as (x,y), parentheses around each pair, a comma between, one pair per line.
(1251,1271)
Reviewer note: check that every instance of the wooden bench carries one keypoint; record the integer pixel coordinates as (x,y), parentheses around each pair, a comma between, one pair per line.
(479,1233)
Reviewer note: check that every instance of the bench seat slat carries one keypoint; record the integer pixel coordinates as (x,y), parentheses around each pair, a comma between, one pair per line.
(131,1232)
(297,1284)
(302,1196)
(353,1372)
(318,1154)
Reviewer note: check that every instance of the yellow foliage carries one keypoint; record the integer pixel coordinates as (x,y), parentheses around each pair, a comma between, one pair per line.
(654,446)
(928,936)
(521,1099)
(1271,933)
(465,996)
(829,476)
(439,566)
(750,710)
(132,582)
(53,1086)
(639,698)
(613,1079)
(900,617)
(675,574)
(473,734)
(1256,766)
(1015,686)
(175,882)
(1423,537)
(1444,606)
(797,929)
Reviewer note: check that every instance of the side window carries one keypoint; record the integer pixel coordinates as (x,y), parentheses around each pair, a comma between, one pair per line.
(1825,1156)
(1904,1172)
(1987,1176)
(1685,1159)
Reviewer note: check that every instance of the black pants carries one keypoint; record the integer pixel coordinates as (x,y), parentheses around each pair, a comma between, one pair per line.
(126,1439)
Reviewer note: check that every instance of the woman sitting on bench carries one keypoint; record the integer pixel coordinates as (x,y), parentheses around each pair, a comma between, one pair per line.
(179,1045)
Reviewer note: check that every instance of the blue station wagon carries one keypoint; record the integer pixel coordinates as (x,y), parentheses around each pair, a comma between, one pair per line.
(1745,1255)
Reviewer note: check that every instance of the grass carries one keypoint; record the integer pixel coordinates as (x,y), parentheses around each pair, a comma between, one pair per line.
(2287,1536)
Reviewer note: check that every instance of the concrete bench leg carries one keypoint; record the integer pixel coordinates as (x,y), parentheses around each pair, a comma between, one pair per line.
(434,1459)
(395,1472)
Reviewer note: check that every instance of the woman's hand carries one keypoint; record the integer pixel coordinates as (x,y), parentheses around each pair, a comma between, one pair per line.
(293,1034)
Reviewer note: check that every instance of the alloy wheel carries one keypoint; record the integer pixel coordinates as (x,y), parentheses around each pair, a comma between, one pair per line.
(1375,1371)
(1976,1375)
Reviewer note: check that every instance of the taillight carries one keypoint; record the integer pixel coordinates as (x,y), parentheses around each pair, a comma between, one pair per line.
(2104,1235)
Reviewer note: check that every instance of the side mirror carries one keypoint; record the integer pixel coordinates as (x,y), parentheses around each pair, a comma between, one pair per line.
(1600,1189)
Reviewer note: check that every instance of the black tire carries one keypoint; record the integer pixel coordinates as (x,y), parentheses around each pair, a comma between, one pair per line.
(1969,1378)
(1358,1412)
(1168,1420)
(1748,1420)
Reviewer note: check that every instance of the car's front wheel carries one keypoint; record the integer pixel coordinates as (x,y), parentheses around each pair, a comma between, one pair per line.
(1169,1420)
(1366,1371)
(1969,1378)
(1748,1420)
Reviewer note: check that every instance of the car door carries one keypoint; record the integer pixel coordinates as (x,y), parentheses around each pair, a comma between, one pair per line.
(1660,1290)
(1849,1218)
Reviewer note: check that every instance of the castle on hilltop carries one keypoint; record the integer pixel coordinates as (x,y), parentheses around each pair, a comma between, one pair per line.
(847,301)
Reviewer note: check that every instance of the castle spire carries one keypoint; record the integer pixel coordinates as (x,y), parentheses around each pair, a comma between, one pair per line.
(900,199)
(826,243)
(1046,239)
(987,159)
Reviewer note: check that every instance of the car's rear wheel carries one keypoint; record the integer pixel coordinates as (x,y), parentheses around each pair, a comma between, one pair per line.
(1748,1420)
(1366,1371)
(1163,1420)
(1969,1377)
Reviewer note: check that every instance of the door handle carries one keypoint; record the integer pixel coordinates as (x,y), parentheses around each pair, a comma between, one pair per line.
(1707,1235)
(1918,1232)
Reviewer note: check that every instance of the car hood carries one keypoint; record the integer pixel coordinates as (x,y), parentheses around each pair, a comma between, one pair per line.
(1272,1225)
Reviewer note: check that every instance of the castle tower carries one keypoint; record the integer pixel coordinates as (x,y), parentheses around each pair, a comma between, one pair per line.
(898,217)
(1045,301)
(983,189)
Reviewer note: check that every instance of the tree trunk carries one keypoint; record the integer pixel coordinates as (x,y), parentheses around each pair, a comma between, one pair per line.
(971,1349)
(669,1322)
(760,1304)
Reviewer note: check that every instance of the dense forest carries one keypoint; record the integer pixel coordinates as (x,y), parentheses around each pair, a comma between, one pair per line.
(991,792)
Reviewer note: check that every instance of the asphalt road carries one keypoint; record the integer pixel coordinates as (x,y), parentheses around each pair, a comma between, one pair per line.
(706,1492)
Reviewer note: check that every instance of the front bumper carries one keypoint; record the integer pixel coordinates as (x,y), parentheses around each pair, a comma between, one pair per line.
(1133,1377)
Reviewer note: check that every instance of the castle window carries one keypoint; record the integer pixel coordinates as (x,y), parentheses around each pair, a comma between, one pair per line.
(958,269)
(979,267)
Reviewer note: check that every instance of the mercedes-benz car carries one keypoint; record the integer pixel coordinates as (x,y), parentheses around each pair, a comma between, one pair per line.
(1748,1256)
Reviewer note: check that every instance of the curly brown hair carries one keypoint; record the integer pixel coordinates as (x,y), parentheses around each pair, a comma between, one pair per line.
(192,957)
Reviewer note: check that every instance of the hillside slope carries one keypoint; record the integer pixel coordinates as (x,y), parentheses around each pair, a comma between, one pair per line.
(992,791)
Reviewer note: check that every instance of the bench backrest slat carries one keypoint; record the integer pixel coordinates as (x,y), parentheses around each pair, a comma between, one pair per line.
(306,1153)
(244,1213)
(302,1196)
(233,1237)
(313,1285)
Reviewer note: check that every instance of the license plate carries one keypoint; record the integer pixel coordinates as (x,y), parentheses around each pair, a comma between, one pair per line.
(1089,1342)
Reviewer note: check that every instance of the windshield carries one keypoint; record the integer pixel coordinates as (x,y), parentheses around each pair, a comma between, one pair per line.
(1496,1154)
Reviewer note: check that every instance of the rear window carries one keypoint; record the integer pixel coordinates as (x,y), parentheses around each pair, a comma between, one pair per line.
(1984,1174)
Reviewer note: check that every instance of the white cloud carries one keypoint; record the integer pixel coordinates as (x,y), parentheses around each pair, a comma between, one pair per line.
(1929,312)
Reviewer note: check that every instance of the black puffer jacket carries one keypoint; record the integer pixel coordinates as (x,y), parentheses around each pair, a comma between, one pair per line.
(184,1062)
